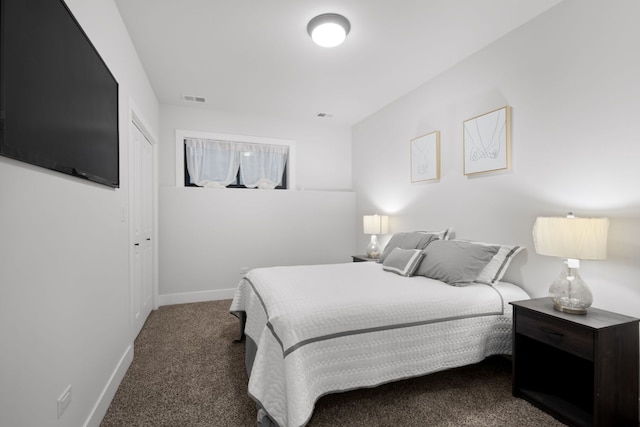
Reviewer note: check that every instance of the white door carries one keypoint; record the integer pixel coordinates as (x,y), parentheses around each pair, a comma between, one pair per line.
(141,228)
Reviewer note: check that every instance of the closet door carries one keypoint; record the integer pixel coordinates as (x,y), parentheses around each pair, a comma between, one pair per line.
(142,228)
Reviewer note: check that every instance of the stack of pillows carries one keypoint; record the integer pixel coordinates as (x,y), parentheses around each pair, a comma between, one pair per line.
(456,262)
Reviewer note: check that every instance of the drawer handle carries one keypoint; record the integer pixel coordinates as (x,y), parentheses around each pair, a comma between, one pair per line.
(551,332)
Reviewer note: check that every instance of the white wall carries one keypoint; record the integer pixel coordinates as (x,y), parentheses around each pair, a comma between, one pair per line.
(64,265)
(323,151)
(571,78)
(207,235)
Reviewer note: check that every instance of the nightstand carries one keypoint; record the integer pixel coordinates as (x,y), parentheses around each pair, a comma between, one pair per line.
(582,369)
(363,258)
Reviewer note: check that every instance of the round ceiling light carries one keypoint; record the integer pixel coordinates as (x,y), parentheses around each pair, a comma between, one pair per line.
(329,29)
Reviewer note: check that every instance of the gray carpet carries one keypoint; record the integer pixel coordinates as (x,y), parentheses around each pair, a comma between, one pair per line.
(187,372)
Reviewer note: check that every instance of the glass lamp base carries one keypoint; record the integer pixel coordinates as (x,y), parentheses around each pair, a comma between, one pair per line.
(373,250)
(569,310)
(570,294)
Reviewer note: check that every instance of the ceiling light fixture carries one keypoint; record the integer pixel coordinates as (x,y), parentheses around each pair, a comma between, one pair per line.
(329,29)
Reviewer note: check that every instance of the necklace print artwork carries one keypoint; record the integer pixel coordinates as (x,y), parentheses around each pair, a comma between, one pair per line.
(485,145)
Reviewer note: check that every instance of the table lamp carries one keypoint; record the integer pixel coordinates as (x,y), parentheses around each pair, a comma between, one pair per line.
(374,225)
(574,239)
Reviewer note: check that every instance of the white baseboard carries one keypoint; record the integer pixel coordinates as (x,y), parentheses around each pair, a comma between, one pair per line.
(101,406)
(187,297)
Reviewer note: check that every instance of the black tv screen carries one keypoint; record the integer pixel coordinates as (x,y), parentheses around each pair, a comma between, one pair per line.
(58,100)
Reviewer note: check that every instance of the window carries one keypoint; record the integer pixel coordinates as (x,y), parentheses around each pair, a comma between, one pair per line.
(233,161)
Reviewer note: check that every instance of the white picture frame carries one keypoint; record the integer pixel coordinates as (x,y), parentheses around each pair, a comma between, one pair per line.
(425,157)
(487,142)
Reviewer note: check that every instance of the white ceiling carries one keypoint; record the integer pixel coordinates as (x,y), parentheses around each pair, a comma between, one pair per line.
(255,56)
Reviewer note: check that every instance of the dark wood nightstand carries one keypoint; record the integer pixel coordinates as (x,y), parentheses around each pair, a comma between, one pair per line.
(363,258)
(582,369)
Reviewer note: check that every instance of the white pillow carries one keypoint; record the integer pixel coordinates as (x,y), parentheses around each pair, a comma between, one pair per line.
(497,267)
(403,261)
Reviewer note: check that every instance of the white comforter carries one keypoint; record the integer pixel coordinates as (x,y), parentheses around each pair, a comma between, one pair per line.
(327,328)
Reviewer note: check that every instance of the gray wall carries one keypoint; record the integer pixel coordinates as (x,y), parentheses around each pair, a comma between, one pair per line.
(571,78)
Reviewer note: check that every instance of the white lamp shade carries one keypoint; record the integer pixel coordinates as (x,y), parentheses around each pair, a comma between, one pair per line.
(375,224)
(576,238)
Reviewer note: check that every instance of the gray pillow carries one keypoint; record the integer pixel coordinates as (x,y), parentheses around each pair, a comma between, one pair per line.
(408,240)
(455,262)
(403,261)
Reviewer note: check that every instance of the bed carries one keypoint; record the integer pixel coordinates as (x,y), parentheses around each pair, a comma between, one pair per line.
(319,329)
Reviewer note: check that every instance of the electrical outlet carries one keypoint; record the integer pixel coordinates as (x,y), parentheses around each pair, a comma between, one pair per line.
(244,270)
(64,400)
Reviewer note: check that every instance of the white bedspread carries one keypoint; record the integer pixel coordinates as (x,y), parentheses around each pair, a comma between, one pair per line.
(327,328)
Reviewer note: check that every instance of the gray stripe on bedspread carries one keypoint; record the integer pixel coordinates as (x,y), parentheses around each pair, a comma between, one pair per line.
(294,347)
(266,312)
(383,328)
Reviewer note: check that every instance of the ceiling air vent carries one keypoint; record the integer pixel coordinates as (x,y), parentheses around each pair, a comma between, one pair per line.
(192,98)
(324,115)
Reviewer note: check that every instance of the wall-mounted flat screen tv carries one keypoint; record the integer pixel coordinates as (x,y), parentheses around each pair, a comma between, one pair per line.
(58,100)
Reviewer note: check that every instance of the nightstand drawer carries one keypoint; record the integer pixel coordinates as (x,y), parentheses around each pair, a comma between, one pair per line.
(565,336)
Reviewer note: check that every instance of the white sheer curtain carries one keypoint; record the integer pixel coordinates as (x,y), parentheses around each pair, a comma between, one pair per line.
(262,165)
(215,163)
(212,163)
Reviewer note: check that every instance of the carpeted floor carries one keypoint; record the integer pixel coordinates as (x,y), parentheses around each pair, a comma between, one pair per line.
(188,372)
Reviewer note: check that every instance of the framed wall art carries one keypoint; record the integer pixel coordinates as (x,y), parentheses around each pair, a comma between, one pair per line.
(425,157)
(487,142)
